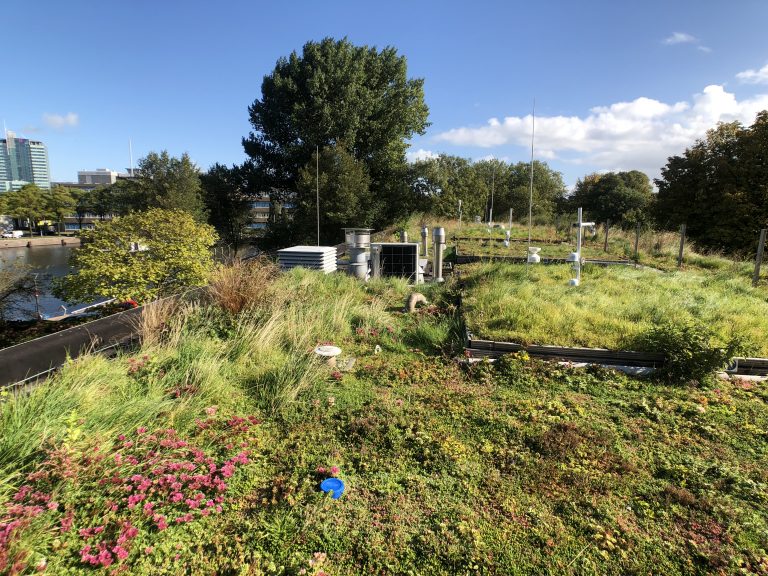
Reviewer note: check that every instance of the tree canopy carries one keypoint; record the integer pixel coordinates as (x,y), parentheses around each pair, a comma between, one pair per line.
(719,187)
(143,256)
(171,183)
(441,182)
(227,195)
(345,194)
(163,181)
(332,94)
(59,202)
(27,203)
(621,197)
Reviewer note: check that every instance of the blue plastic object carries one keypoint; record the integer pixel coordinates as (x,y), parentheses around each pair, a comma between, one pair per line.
(333,485)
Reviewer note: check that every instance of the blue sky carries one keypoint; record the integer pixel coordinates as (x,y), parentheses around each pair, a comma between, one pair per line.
(618,85)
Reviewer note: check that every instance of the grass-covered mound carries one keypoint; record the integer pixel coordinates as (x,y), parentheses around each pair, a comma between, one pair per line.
(614,306)
(203,451)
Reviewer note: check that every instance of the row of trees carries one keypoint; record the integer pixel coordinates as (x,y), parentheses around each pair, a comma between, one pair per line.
(719,187)
(336,119)
(33,204)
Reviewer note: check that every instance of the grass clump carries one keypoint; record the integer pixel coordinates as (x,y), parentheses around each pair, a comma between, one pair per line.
(241,284)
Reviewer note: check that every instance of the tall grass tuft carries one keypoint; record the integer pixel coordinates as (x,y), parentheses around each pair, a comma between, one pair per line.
(154,320)
(242,284)
(276,386)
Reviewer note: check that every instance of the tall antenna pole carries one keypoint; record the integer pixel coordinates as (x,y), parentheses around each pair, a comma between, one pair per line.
(530,198)
(130,154)
(317,189)
(493,183)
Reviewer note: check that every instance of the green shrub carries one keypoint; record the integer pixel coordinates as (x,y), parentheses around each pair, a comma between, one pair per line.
(690,349)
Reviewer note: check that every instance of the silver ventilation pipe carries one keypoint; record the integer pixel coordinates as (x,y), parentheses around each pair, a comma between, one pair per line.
(438,241)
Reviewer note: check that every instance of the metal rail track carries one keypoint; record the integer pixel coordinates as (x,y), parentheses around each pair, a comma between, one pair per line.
(490,349)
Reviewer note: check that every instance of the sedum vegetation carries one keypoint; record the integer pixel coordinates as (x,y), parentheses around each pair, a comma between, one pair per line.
(202,451)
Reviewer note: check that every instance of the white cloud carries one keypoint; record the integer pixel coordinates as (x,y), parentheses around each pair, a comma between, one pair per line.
(59,121)
(640,134)
(754,76)
(492,157)
(680,38)
(420,154)
(685,38)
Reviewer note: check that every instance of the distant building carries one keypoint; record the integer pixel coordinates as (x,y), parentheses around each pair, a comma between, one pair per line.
(100,177)
(23,162)
(77,185)
(260,209)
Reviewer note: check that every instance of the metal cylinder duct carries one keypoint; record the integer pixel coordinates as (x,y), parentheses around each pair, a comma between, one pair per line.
(425,241)
(358,255)
(404,236)
(438,241)
(375,261)
(358,270)
(362,239)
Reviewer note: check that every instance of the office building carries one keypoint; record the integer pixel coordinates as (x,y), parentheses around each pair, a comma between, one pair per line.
(23,162)
(100,176)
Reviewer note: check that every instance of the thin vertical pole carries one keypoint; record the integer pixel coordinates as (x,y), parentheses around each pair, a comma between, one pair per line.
(510,218)
(759,258)
(317,189)
(37,298)
(578,249)
(493,185)
(607,227)
(682,246)
(637,240)
(530,195)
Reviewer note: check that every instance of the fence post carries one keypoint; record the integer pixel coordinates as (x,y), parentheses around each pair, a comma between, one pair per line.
(607,226)
(682,245)
(759,258)
(637,240)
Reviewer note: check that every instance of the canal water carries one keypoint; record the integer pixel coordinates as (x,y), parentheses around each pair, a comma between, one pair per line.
(47,262)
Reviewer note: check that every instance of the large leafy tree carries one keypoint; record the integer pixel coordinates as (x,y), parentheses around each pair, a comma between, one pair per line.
(27,203)
(548,191)
(227,195)
(163,181)
(171,183)
(719,187)
(441,182)
(142,256)
(59,202)
(344,190)
(621,197)
(336,92)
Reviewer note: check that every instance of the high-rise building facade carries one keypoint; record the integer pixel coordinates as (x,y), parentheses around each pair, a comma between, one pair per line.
(23,162)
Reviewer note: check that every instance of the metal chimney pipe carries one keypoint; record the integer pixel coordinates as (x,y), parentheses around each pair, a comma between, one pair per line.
(438,241)
(375,261)
(424,241)
(404,236)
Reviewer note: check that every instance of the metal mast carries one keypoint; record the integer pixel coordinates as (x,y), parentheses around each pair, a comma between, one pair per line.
(530,198)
